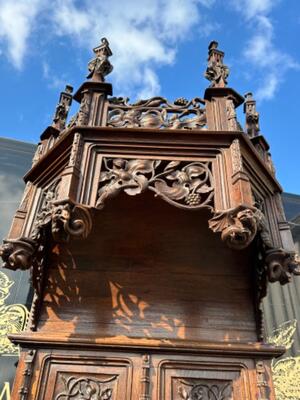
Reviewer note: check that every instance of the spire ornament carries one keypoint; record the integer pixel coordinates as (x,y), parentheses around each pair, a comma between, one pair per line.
(252,116)
(216,72)
(100,66)
(62,108)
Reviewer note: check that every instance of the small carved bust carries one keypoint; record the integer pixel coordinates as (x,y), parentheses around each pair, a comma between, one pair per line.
(100,66)
(216,72)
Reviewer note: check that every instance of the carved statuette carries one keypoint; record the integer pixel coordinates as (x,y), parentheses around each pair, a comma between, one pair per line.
(216,72)
(252,116)
(100,66)
(62,108)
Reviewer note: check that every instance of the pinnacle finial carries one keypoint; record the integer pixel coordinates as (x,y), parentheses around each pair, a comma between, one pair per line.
(252,116)
(216,72)
(100,66)
(62,108)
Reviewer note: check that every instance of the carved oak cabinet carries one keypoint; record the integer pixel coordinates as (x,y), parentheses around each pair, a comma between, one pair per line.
(151,231)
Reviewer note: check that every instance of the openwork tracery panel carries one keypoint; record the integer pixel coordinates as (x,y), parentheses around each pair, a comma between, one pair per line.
(157,112)
(187,185)
(195,389)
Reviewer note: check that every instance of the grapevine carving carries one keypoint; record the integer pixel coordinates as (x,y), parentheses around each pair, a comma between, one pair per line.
(185,185)
(157,112)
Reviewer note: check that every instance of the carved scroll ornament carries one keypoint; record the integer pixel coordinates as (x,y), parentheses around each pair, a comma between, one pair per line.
(183,184)
(157,113)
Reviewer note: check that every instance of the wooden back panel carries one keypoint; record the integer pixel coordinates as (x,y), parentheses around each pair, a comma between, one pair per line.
(149,270)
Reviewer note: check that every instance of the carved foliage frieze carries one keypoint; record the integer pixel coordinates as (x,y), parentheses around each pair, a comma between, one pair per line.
(157,112)
(87,388)
(196,389)
(184,184)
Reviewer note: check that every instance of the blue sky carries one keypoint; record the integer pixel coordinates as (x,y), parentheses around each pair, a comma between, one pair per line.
(160,48)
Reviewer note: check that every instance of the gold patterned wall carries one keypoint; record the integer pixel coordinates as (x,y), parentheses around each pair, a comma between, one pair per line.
(286,370)
(13,317)
(15,160)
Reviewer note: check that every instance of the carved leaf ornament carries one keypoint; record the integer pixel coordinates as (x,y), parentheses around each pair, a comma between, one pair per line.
(86,389)
(157,113)
(186,185)
(204,391)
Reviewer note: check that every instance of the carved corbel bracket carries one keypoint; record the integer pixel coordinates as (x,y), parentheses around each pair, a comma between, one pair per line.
(281,265)
(238,226)
(70,221)
(64,220)
(18,253)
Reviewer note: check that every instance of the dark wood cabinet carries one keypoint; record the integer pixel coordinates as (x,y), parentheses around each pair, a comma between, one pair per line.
(151,231)
(158,374)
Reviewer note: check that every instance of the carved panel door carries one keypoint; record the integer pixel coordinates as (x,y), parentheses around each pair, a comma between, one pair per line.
(85,377)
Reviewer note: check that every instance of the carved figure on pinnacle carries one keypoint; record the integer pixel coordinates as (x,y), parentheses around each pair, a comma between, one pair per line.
(216,72)
(100,66)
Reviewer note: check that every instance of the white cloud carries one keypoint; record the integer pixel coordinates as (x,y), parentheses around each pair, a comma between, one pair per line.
(261,51)
(252,8)
(151,84)
(16,23)
(53,80)
(143,34)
